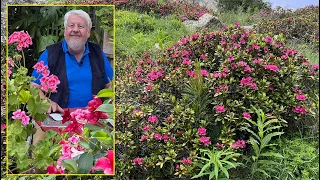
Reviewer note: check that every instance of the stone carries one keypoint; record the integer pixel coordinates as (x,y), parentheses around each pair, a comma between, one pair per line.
(206,20)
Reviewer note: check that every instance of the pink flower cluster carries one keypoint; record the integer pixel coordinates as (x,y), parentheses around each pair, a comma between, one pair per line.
(248,81)
(239,144)
(299,109)
(202,131)
(186,161)
(154,75)
(153,119)
(220,88)
(301,97)
(49,83)
(3,127)
(205,140)
(219,74)
(257,61)
(220,109)
(246,115)
(271,67)
(21,115)
(21,38)
(269,40)
(137,161)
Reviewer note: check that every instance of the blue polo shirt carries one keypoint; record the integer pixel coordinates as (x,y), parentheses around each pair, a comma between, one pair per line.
(79,75)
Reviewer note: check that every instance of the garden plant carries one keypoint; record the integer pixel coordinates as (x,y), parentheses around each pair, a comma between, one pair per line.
(211,104)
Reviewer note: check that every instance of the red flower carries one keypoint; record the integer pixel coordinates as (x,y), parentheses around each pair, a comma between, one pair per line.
(66,116)
(51,169)
(106,163)
(94,104)
(74,126)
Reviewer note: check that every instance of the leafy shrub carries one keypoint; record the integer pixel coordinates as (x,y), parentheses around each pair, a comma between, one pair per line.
(158,100)
(302,24)
(136,33)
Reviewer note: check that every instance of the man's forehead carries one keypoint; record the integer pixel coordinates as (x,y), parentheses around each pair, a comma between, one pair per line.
(76,19)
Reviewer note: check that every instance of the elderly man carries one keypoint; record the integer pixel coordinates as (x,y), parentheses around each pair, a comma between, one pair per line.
(82,67)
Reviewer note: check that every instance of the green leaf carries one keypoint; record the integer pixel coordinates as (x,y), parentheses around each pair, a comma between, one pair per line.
(54,149)
(45,41)
(71,165)
(85,163)
(108,108)
(101,136)
(105,93)
(24,96)
(268,137)
(84,144)
(272,154)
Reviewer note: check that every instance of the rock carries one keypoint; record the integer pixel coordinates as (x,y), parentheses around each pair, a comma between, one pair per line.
(207,20)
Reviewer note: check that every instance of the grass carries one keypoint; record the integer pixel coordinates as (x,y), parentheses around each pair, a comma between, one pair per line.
(307,50)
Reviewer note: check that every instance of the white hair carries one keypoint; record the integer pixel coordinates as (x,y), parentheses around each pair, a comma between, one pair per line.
(80,13)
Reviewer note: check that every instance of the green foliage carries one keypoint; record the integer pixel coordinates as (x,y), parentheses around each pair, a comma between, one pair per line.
(301,158)
(260,142)
(138,32)
(215,162)
(233,5)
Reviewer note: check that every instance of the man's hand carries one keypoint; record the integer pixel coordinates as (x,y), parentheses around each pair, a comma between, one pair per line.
(54,107)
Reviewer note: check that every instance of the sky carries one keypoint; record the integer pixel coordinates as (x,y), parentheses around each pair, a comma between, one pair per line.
(292,4)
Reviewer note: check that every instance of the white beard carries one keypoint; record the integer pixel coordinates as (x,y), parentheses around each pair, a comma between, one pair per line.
(76,46)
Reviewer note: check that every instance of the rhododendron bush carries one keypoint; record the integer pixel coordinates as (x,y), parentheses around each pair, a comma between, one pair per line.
(84,146)
(200,94)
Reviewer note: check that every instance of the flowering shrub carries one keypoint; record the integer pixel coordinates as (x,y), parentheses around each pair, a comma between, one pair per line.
(207,79)
(302,23)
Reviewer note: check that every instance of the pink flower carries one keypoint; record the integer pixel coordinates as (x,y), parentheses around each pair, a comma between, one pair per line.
(301,97)
(49,83)
(185,53)
(184,40)
(247,69)
(3,127)
(168,119)
(257,61)
(246,81)
(153,119)
(202,131)
(203,56)
(220,109)
(205,140)
(106,163)
(137,161)
(255,46)
(186,161)
(269,39)
(165,137)
(74,139)
(315,67)
(186,61)
(21,38)
(226,70)
(254,86)
(299,109)
(146,128)
(271,67)
(230,58)
(40,66)
(144,137)
(191,73)
(157,136)
(242,41)
(239,144)
(204,72)
(177,167)
(284,57)
(21,115)
(184,18)
(236,25)
(246,115)
(195,36)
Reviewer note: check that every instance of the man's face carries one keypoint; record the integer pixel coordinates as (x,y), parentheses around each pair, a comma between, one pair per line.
(77,32)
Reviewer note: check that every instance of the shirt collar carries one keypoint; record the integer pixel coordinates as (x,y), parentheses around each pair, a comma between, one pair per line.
(65,47)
